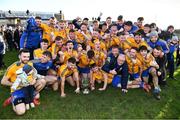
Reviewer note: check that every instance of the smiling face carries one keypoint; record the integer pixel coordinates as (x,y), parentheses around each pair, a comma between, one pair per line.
(156,52)
(44,45)
(70,65)
(115,51)
(70,46)
(84,28)
(114,30)
(143,53)
(154,38)
(97,45)
(24,57)
(45,59)
(137,38)
(132,53)
(127,28)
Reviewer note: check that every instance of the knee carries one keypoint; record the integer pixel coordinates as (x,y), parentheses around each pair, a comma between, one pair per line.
(153,71)
(43,82)
(55,86)
(40,84)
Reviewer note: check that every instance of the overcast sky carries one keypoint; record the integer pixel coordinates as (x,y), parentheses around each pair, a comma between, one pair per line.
(163,12)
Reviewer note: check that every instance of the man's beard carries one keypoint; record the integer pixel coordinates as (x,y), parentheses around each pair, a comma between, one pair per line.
(24,62)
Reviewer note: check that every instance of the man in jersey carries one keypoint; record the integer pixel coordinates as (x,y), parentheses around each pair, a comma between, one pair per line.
(83,35)
(134,69)
(129,28)
(70,52)
(120,23)
(45,67)
(68,72)
(72,37)
(100,56)
(85,60)
(98,75)
(56,47)
(49,30)
(44,47)
(149,66)
(10,77)
(62,31)
(146,32)
(135,42)
(96,37)
(113,33)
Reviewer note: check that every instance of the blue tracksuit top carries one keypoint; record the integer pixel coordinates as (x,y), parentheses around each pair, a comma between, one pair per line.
(161,43)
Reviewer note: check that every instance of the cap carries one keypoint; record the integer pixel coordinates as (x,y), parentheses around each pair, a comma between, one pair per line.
(175,38)
(153,33)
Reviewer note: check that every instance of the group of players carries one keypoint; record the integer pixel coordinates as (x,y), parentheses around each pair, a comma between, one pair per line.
(122,54)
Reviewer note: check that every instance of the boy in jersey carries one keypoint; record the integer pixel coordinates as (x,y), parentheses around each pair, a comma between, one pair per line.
(68,72)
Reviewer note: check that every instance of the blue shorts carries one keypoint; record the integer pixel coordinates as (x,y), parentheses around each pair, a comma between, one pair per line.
(135,76)
(116,80)
(145,73)
(18,97)
(84,70)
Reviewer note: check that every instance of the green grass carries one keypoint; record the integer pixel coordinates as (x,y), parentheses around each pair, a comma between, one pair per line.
(108,104)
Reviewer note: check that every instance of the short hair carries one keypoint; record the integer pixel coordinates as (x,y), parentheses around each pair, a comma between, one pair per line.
(140,19)
(152,25)
(72,60)
(141,48)
(70,23)
(158,47)
(98,30)
(115,46)
(120,17)
(95,21)
(83,45)
(83,24)
(48,54)
(71,30)
(128,23)
(38,17)
(69,41)
(52,18)
(120,33)
(114,24)
(104,24)
(122,56)
(147,25)
(90,54)
(86,19)
(24,50)
(137,33)
(61,21)
(108,18)
(170,26)
(135,48)
(58,38)
(45,41)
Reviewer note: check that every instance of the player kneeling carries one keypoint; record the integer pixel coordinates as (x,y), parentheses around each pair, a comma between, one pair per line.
(98,75)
